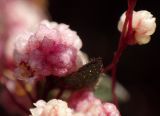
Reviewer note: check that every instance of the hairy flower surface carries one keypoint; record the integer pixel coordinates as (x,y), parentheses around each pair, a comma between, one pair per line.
(52,108)
(53,49)
(143,24)
(86,104)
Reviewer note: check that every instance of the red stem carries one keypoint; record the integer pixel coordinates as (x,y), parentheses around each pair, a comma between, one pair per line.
(115,101)
(19,105)
(12,97)
(125,36)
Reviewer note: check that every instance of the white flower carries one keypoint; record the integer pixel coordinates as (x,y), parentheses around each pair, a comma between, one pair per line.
(143,24)
(52,108)
(85,105)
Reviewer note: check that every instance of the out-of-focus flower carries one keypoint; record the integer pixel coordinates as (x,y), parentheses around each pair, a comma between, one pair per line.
(16,17)
(52,108)
(53,49)
(86,104)
(143,24)
(20,15)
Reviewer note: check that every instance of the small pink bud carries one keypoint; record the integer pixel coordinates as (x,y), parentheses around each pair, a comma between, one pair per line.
(86,104)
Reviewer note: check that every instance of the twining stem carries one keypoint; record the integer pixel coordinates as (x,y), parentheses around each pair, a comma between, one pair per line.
(19,105)
(127,33)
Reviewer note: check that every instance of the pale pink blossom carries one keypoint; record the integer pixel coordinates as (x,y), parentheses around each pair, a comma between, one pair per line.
(85,107)
(143,24)
(52,49)
(16,17)
(52,108)
(85,103)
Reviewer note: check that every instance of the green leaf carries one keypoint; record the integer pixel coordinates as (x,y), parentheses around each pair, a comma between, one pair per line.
(104,91)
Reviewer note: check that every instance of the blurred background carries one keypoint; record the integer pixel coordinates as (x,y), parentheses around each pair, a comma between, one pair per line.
(138,69)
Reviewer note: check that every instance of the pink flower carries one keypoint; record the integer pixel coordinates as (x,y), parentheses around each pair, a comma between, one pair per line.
(52,108)
(86,104)
(16,17)
(57,107)
(53,49)
(143,24)
(83,103)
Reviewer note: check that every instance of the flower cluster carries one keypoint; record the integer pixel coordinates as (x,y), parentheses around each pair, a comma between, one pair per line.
(82,103)
(53,49)
(85,103)
(52,108)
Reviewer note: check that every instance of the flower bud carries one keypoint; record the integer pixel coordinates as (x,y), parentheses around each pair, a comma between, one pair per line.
(86,104)
(143,25)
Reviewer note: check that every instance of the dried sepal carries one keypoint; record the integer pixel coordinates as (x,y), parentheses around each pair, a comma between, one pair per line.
(86,76)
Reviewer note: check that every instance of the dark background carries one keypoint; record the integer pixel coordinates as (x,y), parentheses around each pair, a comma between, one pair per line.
(138,69)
